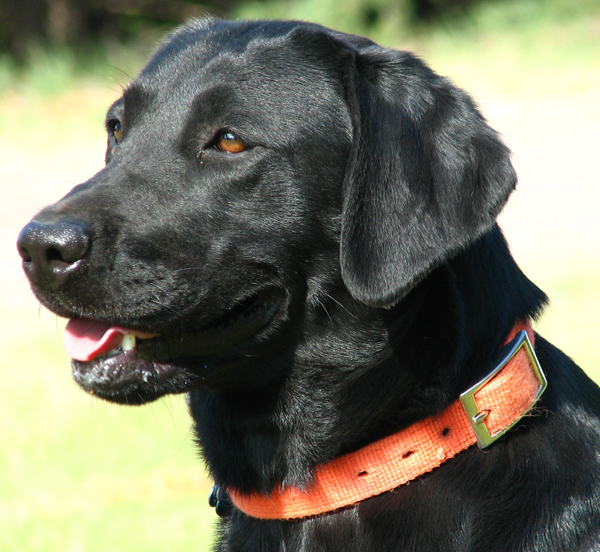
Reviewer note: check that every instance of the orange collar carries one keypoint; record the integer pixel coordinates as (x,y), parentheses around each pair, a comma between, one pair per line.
(481,415)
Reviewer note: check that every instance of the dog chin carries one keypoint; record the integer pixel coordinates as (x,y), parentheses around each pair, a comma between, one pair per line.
(138,369)
(127,379)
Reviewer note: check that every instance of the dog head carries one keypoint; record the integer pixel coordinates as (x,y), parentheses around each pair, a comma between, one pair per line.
(252,170)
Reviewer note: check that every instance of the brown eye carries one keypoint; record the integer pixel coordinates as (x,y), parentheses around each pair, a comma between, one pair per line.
(117,132)
(230,143)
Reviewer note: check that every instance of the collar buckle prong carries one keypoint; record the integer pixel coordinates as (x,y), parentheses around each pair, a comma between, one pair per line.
(476,417)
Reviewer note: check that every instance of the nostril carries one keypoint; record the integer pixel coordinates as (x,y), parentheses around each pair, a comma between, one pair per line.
(67,245)
(54,254)
(24,254)
(57,262)
(52,250)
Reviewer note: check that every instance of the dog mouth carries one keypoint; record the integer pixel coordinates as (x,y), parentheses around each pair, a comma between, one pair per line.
(132,366)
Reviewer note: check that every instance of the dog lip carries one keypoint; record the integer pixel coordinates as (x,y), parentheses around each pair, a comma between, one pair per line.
(124,378)
(150,370)
(244,320)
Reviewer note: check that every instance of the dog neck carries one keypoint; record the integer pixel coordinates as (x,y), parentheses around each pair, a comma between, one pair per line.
(482,415)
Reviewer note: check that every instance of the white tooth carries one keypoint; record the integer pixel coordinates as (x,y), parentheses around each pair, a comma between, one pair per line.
(128,342)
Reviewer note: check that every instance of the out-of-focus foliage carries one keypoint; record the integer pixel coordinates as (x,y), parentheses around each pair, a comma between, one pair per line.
(25,23)
(379,19)
(61,23)
(51,41)
(45,45)
(391,21)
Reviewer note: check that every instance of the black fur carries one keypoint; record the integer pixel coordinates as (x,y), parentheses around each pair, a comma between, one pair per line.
(348,262)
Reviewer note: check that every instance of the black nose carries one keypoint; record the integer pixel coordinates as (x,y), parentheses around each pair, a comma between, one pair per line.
(51,251)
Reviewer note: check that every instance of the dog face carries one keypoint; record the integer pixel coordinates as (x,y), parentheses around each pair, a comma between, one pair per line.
(254,171)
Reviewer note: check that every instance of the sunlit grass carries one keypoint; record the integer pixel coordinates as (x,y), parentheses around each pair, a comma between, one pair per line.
(551,57)
(572,315)
(81,474)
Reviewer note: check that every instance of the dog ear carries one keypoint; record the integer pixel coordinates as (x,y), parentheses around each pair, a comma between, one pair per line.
(426,175)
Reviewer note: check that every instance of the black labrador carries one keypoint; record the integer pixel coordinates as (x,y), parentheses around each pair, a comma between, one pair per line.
(297,227)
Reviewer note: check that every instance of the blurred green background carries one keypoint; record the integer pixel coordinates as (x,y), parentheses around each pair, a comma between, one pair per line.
(81,475)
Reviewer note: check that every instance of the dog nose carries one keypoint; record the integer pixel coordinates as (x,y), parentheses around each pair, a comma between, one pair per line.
(51,251)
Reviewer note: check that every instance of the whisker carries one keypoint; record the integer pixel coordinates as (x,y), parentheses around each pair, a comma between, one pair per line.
(340,304)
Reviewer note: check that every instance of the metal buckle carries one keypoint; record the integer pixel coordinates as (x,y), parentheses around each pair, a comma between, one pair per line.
(477,418)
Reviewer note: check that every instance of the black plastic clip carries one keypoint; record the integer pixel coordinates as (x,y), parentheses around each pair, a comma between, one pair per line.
(220,501)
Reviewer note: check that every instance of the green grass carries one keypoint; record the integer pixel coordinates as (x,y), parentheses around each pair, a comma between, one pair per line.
(519,51)
(82,474)
(53,72)
(79,474)
(571,320)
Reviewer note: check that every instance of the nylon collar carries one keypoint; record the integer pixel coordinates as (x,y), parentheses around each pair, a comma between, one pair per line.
(481,415)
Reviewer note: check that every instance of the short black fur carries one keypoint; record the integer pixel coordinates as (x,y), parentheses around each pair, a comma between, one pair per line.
(349,262)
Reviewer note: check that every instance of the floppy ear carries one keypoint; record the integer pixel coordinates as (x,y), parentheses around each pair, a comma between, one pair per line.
(426,175)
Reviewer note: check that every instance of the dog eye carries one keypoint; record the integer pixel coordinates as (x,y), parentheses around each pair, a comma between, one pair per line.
(114,127)
(228,142)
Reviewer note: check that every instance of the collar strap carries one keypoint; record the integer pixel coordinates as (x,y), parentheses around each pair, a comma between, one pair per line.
(482,415)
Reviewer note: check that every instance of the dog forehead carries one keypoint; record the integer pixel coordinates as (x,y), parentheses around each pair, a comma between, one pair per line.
(254,53)
(269,73)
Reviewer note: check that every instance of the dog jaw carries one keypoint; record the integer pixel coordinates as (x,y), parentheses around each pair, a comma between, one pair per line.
(135,367)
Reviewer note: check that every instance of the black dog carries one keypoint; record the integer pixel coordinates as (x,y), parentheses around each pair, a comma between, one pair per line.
(297,227)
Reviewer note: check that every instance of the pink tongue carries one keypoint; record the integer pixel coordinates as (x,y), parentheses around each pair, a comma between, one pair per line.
(86,339)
